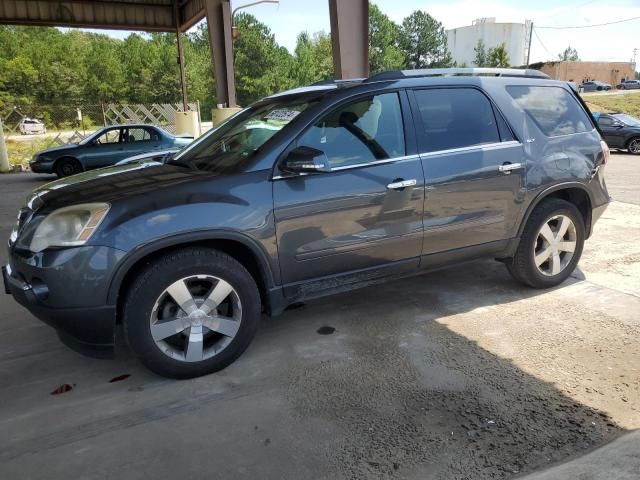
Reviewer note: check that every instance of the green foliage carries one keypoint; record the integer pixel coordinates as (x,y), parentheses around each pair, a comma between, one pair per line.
(498,56)
(66,69)
(569,54)
(481,54)
(385,52)
(262,67)
(313,58)
(424,42)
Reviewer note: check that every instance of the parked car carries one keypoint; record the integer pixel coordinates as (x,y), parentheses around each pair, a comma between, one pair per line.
(307,193)
(628,85)
(105,147)
(32,126)
(621,131)
(594,86)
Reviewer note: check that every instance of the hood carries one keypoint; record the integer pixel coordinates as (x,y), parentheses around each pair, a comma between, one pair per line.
(110,184)
(62,148)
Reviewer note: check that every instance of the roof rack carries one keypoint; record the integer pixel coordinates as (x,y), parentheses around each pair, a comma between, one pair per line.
(446,72)
(338,82)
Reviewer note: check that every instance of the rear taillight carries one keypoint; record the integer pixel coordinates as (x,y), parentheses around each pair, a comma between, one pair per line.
(606,153)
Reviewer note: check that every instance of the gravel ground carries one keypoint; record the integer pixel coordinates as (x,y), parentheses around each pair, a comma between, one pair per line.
(457,374)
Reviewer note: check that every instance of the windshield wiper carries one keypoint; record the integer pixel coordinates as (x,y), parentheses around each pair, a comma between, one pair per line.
(169,159)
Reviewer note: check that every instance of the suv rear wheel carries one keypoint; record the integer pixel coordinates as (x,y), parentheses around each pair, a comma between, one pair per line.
(550,246)
(191,312)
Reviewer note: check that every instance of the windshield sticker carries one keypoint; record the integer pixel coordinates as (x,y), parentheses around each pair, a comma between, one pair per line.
(285,115)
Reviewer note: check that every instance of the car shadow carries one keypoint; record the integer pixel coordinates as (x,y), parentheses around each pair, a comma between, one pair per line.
(407,392)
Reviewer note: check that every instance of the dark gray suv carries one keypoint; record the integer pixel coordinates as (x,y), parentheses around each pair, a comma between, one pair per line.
(307,193)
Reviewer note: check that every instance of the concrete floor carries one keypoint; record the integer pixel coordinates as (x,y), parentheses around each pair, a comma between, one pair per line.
(455,374)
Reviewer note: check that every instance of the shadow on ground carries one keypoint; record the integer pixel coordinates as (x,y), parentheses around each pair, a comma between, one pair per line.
(410,395)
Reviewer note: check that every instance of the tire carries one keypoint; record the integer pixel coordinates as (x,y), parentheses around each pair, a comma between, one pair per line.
(523,266)
(149,299)
(67,166)
(633,146)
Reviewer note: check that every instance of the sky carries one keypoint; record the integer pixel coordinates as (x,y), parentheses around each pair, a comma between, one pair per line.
(606,43)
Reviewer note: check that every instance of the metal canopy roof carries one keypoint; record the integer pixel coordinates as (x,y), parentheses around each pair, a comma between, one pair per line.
(149,15)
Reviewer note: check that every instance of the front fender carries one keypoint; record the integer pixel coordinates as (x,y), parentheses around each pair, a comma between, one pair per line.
(132,258)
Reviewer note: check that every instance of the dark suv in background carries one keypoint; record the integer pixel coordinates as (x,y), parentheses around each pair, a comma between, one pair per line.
(307,193)
(621,131)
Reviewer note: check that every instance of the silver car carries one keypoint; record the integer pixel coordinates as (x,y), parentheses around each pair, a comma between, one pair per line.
(32,126)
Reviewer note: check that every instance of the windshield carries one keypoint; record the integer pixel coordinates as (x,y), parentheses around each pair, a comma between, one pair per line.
(233,143)
(88,139)
(628,120)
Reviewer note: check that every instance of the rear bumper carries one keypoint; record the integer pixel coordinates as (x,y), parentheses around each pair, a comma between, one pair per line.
(596,213)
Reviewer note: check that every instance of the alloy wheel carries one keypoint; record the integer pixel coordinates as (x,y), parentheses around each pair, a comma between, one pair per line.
(634,146)
(555,245)
(195,318)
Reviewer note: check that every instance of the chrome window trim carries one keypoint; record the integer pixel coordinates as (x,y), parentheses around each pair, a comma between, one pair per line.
(357,165)
(484,146)
(487,146)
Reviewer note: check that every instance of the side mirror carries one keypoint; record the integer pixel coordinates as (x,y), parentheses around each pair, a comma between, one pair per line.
(618,125)
(306,160)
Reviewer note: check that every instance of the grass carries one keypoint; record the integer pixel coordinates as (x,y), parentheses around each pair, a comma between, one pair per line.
(628,103)
(21,151)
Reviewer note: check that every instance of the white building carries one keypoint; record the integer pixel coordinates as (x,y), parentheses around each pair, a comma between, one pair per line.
(462,41)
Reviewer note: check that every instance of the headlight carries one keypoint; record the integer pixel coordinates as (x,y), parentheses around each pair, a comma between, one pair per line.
(68,226)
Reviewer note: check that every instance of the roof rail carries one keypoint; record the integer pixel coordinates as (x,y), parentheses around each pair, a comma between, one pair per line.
(445,72)
(346,81)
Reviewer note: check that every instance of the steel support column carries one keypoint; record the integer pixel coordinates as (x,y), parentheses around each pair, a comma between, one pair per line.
(350,37)
(221,44)
(183,76)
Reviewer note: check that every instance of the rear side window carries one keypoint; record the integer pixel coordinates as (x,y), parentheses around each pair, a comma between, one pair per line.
(455,118)
(605,121)
(553,109)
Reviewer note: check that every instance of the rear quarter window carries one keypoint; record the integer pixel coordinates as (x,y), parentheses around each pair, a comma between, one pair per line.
(553,109)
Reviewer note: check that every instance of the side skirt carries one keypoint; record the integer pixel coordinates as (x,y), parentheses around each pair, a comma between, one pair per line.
(281,297)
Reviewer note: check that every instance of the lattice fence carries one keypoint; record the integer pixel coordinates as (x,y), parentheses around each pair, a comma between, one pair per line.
(160,114)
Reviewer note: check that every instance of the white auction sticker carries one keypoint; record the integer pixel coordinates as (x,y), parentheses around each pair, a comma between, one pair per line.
(286,115)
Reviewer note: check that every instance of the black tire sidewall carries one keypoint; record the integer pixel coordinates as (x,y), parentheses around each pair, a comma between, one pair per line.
(67,161)
(629,146)
(156,278)
(524,262)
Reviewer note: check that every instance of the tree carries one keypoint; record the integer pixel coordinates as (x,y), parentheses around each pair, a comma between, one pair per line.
(262,67)
(569,54)
(385,52)
(498,57)
(481,54)
(424,41)
(313,60)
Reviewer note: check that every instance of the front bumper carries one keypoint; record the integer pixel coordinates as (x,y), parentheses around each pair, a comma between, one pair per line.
(67,290)
(41,167)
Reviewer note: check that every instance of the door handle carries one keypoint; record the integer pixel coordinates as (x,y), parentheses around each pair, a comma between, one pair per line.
(507,168)
(400,184)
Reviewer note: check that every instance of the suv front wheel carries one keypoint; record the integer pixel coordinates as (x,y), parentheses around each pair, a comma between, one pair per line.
(550,246)
(191,312)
